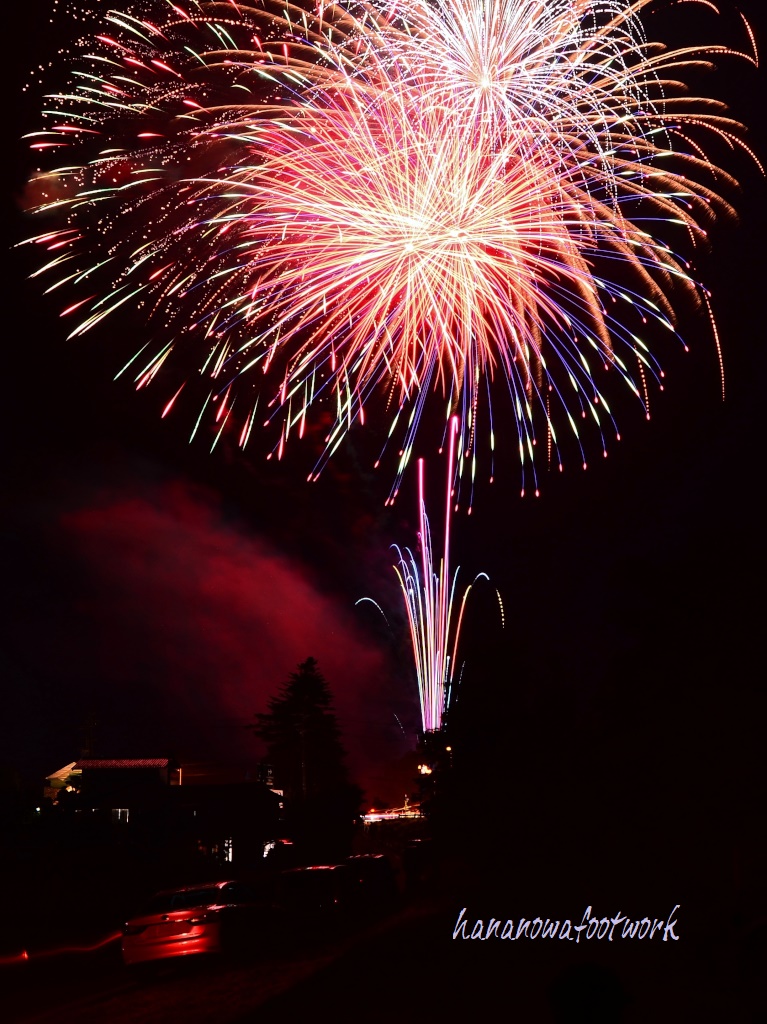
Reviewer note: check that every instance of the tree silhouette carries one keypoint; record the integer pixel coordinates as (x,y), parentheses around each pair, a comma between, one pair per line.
(303,742)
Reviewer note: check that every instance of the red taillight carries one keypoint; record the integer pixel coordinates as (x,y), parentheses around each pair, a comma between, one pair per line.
(201,918)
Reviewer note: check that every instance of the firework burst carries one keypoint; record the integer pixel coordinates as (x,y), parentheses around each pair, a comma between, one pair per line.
(388,211)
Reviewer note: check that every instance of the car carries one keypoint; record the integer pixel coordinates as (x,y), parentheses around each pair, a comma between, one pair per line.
(211,918)
(374,884)
(320,892)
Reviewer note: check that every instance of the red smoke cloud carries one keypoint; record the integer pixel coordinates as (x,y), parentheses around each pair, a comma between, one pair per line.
(198,624)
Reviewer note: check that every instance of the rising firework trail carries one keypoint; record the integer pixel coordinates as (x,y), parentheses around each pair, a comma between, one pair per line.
(429,593)
(487,208)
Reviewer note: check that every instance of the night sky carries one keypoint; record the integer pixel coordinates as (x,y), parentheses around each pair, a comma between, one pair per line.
(166,592)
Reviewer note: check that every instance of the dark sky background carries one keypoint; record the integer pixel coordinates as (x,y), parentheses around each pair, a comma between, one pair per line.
(168,592)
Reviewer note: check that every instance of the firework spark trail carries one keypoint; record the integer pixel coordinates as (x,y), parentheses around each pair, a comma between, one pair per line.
(389,208)
(429,594)
(431,287)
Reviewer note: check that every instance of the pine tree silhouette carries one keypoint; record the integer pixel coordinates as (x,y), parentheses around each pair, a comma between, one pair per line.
(302,735)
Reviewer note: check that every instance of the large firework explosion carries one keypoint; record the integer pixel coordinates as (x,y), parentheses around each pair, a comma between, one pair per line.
(386,209)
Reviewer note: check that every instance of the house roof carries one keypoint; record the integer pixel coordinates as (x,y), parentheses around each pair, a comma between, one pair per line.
(62,773)
(132,762)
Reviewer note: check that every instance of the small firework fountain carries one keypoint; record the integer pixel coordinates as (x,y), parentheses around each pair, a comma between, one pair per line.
(429,593)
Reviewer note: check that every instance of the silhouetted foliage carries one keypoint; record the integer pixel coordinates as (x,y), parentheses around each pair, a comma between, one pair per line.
(302,735)
(304,747)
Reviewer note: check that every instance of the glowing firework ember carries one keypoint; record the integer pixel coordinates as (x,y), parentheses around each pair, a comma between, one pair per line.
(388,210)
(429,594)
